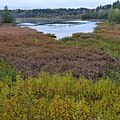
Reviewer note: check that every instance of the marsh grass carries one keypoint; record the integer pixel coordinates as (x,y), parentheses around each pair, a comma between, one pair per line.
(111,46)
(105,36)
(31,52)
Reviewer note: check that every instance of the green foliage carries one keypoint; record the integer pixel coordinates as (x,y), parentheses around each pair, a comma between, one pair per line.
(7,73)
(34,40)
(116,4)
(104,12)
(6,16)
(101,14)
(59,98)
(114,16)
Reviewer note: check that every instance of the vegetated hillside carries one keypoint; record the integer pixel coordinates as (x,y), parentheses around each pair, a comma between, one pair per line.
(31,52)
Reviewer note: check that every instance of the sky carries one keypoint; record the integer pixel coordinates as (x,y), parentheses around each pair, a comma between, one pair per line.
(30,4)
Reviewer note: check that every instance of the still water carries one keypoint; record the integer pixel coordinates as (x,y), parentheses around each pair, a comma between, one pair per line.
(64,29)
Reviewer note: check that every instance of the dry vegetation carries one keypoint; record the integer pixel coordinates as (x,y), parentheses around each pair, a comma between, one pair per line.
(31,52)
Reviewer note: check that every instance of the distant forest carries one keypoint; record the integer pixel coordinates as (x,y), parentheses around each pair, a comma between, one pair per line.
(101,12)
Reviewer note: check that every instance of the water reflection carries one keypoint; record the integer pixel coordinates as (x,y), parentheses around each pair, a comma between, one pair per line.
(67,28)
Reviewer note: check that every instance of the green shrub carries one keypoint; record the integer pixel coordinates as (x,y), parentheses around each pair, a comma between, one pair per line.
(7,72)
(59,98)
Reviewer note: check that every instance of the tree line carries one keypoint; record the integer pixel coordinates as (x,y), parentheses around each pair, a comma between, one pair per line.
(61,12)
(110,12)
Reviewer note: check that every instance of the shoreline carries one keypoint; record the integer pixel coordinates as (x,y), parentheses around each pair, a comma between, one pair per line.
(53,28)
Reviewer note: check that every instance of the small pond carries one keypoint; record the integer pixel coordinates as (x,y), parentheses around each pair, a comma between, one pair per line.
(63,29)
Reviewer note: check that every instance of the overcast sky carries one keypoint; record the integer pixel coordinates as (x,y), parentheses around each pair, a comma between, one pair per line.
(29,4)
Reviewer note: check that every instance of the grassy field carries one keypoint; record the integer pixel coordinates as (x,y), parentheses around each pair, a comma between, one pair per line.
(77,78)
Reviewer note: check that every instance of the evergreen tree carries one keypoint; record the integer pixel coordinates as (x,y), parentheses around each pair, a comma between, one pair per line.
(7,16)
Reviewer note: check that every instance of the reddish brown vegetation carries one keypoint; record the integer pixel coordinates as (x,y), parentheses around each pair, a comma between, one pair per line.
(108,31)
(32,52)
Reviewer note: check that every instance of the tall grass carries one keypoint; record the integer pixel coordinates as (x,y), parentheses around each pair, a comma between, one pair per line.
(59,98)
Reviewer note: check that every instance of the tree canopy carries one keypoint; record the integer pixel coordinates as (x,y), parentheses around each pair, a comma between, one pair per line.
(114,16)
(6,16)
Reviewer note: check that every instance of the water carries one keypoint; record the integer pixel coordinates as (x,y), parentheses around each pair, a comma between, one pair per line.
(64,29)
